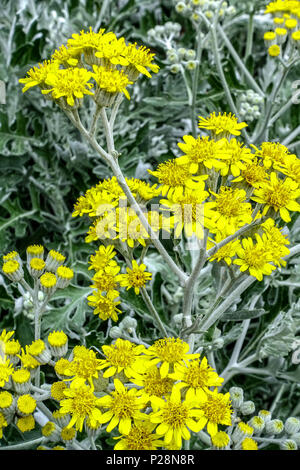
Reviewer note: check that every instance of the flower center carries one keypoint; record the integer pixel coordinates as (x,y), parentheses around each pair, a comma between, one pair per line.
(175,414)
(170,349)
(123,406)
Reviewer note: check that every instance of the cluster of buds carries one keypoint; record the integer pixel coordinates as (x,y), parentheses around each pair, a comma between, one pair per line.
(125,328)
(194,8)
(250,105)
(48,274)
(18,396)
(181,57)
(248,432)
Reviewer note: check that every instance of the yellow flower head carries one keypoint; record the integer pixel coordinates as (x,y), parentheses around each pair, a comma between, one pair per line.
(139,59)
(136,277)
(140,437)
(84,366)
(196,377)
(102,257)
(6,370)
(105,305)
(38,75)
(221,125)
(168,352)
(123,407)
(249,444)
(237,156)
(111,80)
(69,84)
(188,211)
(172,176)
(152,383)
(274,50)
(255,257)
(122,356)
(280,195)
(253,174)
(81,403)
(216,410)
(107,279)
(175,417)
(201,154)
(229,211)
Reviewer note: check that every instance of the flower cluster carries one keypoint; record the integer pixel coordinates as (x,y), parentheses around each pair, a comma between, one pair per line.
(48,274)
(146,397)
(91,60)
(108,280)
(217,186)
(286,14)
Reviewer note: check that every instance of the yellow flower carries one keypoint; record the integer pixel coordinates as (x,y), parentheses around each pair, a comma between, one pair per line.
(280,195)
(85,41)
(143,191)
(140,437)
(129,227)
(26,423)
(70,84)
(80,403)
(289,167)
(139,60)
(195,378)
(107,279)
(6,370)
(84,366)
(253,174)
(121,356)
(226,252)
(201,153)
(102,257)
(172,176)
(216,410)
(249,444)
(111,80)
(188,211)
(274,50)
(275,241)
(272,153)
(105,305)
(220,440)
(221,125)
(255,257)
(26,404)
(237,156)
(175,417)
(136,277)
(124,406)
(152,383)
(228,211)
(38,75)
(64,56)
(168,352)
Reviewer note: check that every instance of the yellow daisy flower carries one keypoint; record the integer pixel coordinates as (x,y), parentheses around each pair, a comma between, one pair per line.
(175,417)
(221,125)
(124,407)
(280,195)
(168,352)
(136,277)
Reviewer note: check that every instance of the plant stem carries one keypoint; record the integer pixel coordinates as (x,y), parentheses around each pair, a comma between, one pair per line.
(153,311)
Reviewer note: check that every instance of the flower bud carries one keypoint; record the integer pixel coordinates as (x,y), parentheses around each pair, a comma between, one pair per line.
(237,396)
(288,444)
(247,408)
(275,426)
(292,425)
